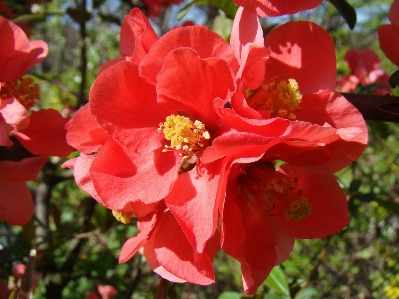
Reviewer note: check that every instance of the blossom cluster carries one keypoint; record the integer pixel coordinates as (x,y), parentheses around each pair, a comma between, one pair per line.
(219,146)
(27,136)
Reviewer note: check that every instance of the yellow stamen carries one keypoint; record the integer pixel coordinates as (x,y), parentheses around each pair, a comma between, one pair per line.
(280,97)
(23,89)
(186,136)
(122,217)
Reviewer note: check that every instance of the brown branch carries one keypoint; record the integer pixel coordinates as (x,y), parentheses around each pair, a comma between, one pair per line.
(83,54)
(375,107)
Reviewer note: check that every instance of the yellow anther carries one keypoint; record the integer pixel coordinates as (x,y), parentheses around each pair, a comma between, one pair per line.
(298,209)
(122,217)
(189,137)
(280,97)
(24,90)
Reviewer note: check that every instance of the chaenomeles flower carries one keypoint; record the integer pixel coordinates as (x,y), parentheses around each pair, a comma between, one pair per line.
(365,70)
(26,140)
(390,32)
(141,138)
(284,189)
(273,8)
(155,7)
(106,291)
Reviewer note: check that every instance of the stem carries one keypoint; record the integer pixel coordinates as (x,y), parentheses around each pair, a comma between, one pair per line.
(375,107)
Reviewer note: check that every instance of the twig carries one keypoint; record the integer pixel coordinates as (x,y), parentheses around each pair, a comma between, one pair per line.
(375,107)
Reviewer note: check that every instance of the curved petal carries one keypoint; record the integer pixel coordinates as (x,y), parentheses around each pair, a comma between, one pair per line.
(45,134)
(17,54)
(25,170)
(272,8)
(146,224)
(14,113)
(248,237)
(177,256)
(16,204)
(137,36)
(248,46)
(331,108)
(84,132)
(120,180)
(305,52)
(394,13)
(386,34)
(193,202)
(196,83)
(327,200)
(5,130)
(202,40)
(125,106)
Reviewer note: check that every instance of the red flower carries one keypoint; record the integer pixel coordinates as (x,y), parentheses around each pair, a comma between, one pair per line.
(34,137)
(266,206)
(390,32)
(272,8)
(106,291)
(365,70)
(155,7)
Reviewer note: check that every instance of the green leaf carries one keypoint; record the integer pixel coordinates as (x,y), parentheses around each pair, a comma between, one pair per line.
(182,12)
(389,205)
(268,296)
(222,26)
(278,282)
(12,294)
(346,11)
(229,295)
(227,6)
(306,293)
(395,91)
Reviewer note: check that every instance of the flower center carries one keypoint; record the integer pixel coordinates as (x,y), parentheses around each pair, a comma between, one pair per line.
(23,89)
(187,136)
(265,185)
(280,98)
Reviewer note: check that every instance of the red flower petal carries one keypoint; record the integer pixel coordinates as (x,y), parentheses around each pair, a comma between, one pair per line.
(197,89)
(45,134)
(17,54)
(328,201)
(120,180)
(14,113)
(84,132)
(305,52)
(193,202)
(137,35)
(177,256)
(25,170)
(387,34)
(248,237)
(202,40)
(131,246)
(248,45)
(271,8)
(16,204)
(125,106)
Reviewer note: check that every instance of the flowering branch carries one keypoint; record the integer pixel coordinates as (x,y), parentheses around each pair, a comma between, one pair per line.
(375,107)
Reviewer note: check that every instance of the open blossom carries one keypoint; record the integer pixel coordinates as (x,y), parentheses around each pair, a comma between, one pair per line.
(26,140)
(365,70)
(272,8)
(267,206)
(390,32)
(156,141)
